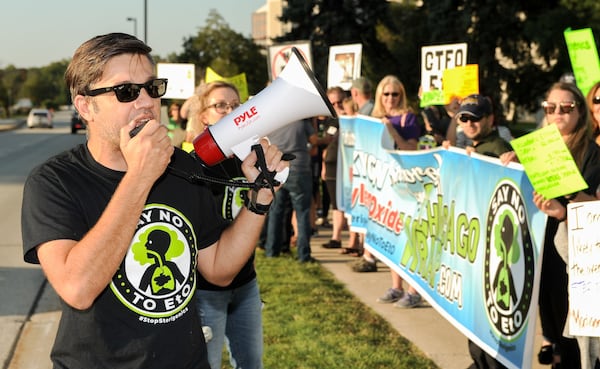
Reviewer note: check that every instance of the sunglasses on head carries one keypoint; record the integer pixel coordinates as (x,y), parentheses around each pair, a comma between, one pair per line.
(596,100)
(565,107)
(469,118)
(394,94)
(128,92)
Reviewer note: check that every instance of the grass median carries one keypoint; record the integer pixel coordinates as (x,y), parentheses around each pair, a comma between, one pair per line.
(311,321)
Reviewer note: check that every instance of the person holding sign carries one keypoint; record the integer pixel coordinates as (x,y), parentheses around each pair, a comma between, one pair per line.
(565,107)
(476,117)
(391,106)
(593,103)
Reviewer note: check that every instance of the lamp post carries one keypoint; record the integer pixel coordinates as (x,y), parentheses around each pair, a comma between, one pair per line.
(134,20)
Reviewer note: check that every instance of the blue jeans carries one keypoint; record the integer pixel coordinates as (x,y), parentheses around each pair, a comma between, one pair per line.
(235,317)
(298,188)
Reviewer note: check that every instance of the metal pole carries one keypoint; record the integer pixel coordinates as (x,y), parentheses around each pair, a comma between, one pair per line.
(134,20)
(145,21)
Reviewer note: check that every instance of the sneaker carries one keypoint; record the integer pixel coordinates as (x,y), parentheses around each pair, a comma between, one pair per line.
(364,266)
(409,300)
(332,244)
(391,295)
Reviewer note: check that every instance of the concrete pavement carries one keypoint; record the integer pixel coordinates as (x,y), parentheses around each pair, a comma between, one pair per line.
(29,316)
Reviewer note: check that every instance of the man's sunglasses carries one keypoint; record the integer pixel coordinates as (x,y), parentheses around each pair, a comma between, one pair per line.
(564,107)
(466,118)
(128,92)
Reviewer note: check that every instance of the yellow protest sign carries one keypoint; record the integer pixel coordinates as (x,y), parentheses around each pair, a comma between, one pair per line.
(239,81)
(548,162)
(460,82)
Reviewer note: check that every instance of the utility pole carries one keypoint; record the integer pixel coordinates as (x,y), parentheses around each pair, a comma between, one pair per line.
(146,21)
(134,20)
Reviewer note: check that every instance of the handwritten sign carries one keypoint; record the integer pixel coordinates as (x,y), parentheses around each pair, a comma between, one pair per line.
(434,60)
(584,268)
(548,163)
(460,82)
(584,57)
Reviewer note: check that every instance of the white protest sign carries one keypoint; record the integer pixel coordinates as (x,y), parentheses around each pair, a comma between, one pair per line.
(435,59)
(584,268)
(181,79)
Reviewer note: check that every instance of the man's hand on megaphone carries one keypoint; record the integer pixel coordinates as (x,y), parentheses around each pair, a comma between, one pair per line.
(274,162)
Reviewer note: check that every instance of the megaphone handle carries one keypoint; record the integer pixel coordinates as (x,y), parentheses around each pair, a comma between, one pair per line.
(265,175)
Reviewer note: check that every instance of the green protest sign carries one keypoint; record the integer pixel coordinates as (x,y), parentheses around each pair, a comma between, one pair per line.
(584,57)
(548,163)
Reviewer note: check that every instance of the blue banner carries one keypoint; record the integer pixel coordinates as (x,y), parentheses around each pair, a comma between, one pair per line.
(462,229)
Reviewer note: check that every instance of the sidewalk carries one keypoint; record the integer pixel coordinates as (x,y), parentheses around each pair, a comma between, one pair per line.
(423,326)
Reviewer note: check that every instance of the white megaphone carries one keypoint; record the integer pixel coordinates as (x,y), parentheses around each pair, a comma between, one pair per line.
(294,95)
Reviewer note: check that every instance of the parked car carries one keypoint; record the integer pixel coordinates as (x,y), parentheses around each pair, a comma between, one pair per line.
(39,118)
(76,122)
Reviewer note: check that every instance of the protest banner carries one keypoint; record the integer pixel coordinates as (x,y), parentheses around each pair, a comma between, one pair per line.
(462,229)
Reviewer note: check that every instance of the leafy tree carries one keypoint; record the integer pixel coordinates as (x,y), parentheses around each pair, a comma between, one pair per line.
(11,81)
(336,22)
(225,51)
(46,86)
(519,46)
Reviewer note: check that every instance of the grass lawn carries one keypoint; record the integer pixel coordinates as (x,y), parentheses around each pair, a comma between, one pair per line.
(311,321)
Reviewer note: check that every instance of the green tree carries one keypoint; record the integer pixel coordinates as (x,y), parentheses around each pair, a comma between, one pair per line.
(11,82)
(46,86)
(336,22)
(225,51)
(519,46)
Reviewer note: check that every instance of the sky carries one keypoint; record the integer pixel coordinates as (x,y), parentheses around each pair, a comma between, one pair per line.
(35,33)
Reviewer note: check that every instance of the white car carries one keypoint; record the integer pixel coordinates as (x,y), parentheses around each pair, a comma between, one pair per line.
(39,118)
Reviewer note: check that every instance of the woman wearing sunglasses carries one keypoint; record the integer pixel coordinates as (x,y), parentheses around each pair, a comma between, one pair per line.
(593,103)
(566,108)
(392,108)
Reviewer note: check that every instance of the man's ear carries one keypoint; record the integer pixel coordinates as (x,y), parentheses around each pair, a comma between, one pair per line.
(82,104)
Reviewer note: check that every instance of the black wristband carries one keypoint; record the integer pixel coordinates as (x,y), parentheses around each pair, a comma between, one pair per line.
(259,209)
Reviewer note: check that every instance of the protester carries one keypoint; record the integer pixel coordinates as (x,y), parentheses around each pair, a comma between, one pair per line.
(593,104)
(293,139)
(361,95)
(176,125)
(336,96)
(120,232)
(476,118)
(232,313)
(565,107)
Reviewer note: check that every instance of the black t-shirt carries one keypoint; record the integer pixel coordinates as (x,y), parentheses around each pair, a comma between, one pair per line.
(146,317)
(230,200)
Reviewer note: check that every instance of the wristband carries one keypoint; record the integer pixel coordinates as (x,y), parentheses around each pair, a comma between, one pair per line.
(259,209)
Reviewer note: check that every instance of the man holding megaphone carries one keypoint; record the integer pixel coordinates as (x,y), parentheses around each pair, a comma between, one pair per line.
(119,234)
